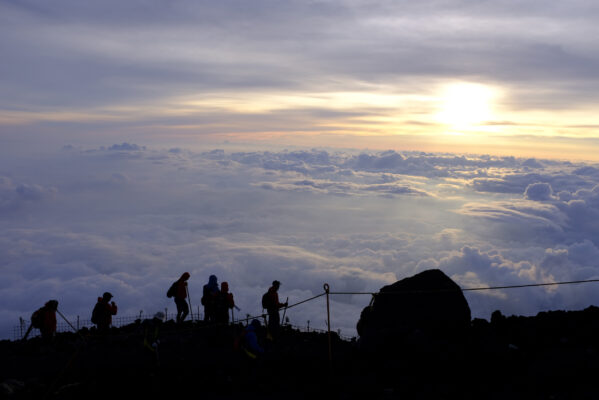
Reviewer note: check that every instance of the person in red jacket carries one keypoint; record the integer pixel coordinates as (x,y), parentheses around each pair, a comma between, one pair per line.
(44,319)
(181,296)
(224,303)
(48,326)
(103,312)
(274,320)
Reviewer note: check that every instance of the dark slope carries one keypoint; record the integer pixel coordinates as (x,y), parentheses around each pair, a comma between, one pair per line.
(552,355)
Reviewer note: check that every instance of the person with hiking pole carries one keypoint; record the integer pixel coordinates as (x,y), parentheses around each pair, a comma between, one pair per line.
(44,319)
(178,290)
(271,302)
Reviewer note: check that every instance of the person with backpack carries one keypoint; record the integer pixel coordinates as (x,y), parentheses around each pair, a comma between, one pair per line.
(103,312)
(44,319)
(270,301)
(225,302)
(210,294)
(178,290)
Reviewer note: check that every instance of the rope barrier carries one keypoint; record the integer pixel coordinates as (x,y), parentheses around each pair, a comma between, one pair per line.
(531,285)
(305,301)
(469,289)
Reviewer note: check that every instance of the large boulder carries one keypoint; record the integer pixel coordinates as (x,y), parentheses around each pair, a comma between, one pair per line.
(428,303)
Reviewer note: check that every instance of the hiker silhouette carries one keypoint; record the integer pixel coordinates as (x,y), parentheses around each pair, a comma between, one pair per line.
(178,291)
(224,303)
(44,319)
(272,304)
(209,300)
(103,312)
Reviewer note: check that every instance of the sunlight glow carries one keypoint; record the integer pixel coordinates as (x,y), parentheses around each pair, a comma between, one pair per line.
(466,105)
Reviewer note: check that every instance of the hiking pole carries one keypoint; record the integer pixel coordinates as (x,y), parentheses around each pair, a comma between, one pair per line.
(189,301)
(233,312)
(28,330)
(67,321)
(285,310)
(71,325)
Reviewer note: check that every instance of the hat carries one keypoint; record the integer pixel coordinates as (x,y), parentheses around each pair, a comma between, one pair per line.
(107,295)
(276,283)
(255,323)
(53,304)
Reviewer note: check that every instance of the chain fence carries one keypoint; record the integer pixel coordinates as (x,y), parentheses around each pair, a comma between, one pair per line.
(120,321)
(78,323)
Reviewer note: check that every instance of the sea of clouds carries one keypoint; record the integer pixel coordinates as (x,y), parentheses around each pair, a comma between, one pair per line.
(130,219)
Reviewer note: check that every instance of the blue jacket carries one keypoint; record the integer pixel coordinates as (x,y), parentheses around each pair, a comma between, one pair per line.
(250,340)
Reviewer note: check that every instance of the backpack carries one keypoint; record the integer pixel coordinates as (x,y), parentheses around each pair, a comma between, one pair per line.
(172,290)
(37,318)
(266,300)
(96,314)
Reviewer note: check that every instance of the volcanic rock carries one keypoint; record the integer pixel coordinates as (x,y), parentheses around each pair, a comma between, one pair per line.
(427,303)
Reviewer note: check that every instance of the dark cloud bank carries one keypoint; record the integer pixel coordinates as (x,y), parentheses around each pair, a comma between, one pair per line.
(129,219)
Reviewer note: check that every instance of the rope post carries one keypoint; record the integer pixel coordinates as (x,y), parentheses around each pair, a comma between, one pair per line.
(327,291)
(21,324)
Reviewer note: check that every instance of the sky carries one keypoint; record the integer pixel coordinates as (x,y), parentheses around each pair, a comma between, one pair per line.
(349,142)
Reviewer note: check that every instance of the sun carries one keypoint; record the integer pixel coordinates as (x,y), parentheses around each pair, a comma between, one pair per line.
(465,105)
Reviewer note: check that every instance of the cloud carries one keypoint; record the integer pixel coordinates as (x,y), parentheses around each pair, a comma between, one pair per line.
(539,191)
(126,147)
(17,195)
(129,219)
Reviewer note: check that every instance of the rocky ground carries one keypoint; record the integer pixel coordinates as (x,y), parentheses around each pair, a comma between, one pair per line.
(554,355)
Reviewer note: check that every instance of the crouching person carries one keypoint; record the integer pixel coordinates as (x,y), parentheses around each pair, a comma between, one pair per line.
(44,319)
(248,342)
